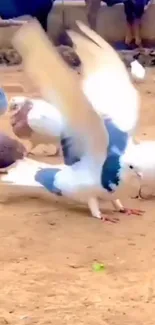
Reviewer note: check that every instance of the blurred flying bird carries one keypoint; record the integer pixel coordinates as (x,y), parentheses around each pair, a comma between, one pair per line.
(101,111)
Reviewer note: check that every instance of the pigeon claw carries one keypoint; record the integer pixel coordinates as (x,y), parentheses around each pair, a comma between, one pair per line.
(130,212)
(109,219)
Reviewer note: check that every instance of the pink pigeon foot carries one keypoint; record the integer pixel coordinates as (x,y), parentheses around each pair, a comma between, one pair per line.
(130,212)
(109,219)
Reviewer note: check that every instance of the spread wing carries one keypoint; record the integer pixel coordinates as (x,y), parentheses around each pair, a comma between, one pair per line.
(60,86)
(106,82)
(16,175)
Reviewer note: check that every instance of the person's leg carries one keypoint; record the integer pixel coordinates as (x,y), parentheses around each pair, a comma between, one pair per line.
(130,16)
(43,12)
(44,8)
(93,7)
(139,11)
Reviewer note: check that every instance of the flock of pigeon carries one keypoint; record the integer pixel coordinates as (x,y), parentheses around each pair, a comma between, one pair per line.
(96,133)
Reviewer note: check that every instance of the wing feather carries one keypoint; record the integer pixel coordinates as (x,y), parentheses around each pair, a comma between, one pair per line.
(106,81)
(59,85)
(23,173)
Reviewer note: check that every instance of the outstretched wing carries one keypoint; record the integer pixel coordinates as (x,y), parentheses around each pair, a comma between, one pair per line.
(16,175)
(106,81)
(59,85)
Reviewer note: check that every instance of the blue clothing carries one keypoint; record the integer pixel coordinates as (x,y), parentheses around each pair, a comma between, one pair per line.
(111,3)
(3,102)
(35,8)
(134,9)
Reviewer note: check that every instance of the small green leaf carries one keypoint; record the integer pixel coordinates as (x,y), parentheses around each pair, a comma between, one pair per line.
(98,267)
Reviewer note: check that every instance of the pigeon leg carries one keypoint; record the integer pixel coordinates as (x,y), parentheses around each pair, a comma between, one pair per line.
(93,7)
(129,212)
(119,207)
(96,213)
(94,208)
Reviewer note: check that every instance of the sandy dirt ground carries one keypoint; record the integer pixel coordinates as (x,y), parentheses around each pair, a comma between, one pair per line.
(47,250)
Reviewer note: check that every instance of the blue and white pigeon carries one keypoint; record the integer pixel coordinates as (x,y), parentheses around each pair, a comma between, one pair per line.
(101,112)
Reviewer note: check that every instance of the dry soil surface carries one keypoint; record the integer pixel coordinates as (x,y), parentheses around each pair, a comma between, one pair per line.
(47,250)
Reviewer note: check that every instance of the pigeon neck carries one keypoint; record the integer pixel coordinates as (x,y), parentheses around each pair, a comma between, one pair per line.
(129,156)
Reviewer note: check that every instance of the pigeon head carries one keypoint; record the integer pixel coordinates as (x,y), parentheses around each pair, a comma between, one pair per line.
(141,159)
(3,102)
(11,150)
(19,110)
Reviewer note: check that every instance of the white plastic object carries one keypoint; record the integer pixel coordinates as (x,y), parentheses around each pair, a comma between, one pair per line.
(137,70)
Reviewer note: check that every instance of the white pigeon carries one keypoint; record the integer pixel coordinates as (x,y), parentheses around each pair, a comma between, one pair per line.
(23,110)
(142,160)
(106,137)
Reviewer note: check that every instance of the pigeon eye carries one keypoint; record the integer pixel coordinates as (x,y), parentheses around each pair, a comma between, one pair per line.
(130,166)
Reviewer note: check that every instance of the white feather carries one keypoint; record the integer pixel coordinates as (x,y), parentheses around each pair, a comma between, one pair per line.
(23,173)
(106,82)
(59,85)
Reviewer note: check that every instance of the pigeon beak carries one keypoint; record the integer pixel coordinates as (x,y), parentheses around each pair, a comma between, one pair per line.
(139,174)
